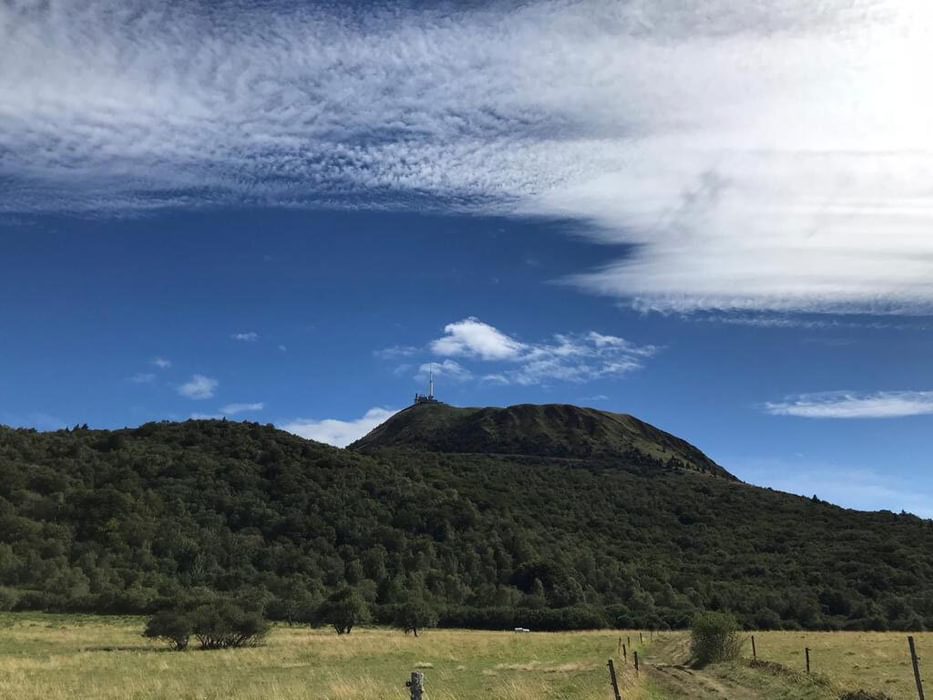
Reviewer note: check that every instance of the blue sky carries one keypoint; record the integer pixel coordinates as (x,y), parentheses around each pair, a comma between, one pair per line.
(288,213)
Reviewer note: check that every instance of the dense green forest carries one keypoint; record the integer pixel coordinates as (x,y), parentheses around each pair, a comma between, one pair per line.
(130,521)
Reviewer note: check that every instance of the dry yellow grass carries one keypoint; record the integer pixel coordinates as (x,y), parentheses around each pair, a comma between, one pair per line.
(48,657)
(870,660)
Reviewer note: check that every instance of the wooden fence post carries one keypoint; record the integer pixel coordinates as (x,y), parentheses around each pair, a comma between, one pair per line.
(754,651)
(641,638)
(629,640)
(635,654)
(624,654)
(615,683)
(416,685)
(806,652)
(915,662)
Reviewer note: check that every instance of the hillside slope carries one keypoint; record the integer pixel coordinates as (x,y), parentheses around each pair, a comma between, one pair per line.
(123,521)
(551,430)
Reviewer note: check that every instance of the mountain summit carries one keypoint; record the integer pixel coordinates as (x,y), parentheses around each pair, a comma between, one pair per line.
(550,430)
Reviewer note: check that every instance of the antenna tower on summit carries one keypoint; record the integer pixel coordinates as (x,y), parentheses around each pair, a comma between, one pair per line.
(429,397)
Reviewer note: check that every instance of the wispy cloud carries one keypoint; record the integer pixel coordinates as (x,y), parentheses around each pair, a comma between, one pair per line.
(448,369)
(339,433)
(755,156)
(395,352)
(231,409)
(863,489)
(199,387)
(143,378)
(842,404)
(564,357)
(248,337)
(811,321)
(162,363)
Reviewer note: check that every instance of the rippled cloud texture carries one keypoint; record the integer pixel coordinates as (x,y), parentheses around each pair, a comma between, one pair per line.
(769,156)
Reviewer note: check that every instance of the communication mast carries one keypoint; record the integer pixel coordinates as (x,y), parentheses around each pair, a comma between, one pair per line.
(429,397)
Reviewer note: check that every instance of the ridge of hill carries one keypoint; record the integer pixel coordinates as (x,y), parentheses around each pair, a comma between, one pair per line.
(548,430)
(130,520)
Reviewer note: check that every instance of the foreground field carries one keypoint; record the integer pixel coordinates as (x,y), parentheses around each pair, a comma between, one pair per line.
(876,660)
(57,657)
(52,657)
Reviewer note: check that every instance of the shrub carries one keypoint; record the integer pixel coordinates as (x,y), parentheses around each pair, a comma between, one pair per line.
(714,637)
(415,615)
(216,625)
(225,625)
(171,626)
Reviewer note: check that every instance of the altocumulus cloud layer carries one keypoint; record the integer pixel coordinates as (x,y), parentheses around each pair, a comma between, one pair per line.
(761,156)
(842,404)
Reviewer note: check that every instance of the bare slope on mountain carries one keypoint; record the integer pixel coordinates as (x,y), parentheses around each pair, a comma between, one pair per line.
(551,430)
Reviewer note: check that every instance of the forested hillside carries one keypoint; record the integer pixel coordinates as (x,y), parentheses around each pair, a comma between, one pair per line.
(127,521)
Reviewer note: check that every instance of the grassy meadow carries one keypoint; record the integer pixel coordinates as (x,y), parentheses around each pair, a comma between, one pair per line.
(870,660)
(52,657)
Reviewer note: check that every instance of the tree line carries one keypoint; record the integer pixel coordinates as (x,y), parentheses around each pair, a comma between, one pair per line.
(132,521)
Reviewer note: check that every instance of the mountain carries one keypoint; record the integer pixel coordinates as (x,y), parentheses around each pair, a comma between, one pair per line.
(130,520)
(553,430)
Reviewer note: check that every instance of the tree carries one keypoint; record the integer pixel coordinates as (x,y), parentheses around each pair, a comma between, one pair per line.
(415,615)
(172,626)
(344,610)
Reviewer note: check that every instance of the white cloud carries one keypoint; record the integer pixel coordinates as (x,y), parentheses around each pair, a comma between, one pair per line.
(199,387)
(162,363)
(841,404)
(756,155)
(448,369)
(231,409)
(566,357)
(249,337)
(579,358)
(143,378)
(339,433)
(206,416)
(473,338)
(395,351)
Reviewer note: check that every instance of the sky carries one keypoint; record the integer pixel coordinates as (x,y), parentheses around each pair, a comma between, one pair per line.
(716,217)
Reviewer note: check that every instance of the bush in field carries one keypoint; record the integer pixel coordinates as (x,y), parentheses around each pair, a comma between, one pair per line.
(415,615)
(216,625)
(343,611)
(714,637)
(225,625)
(171,626)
